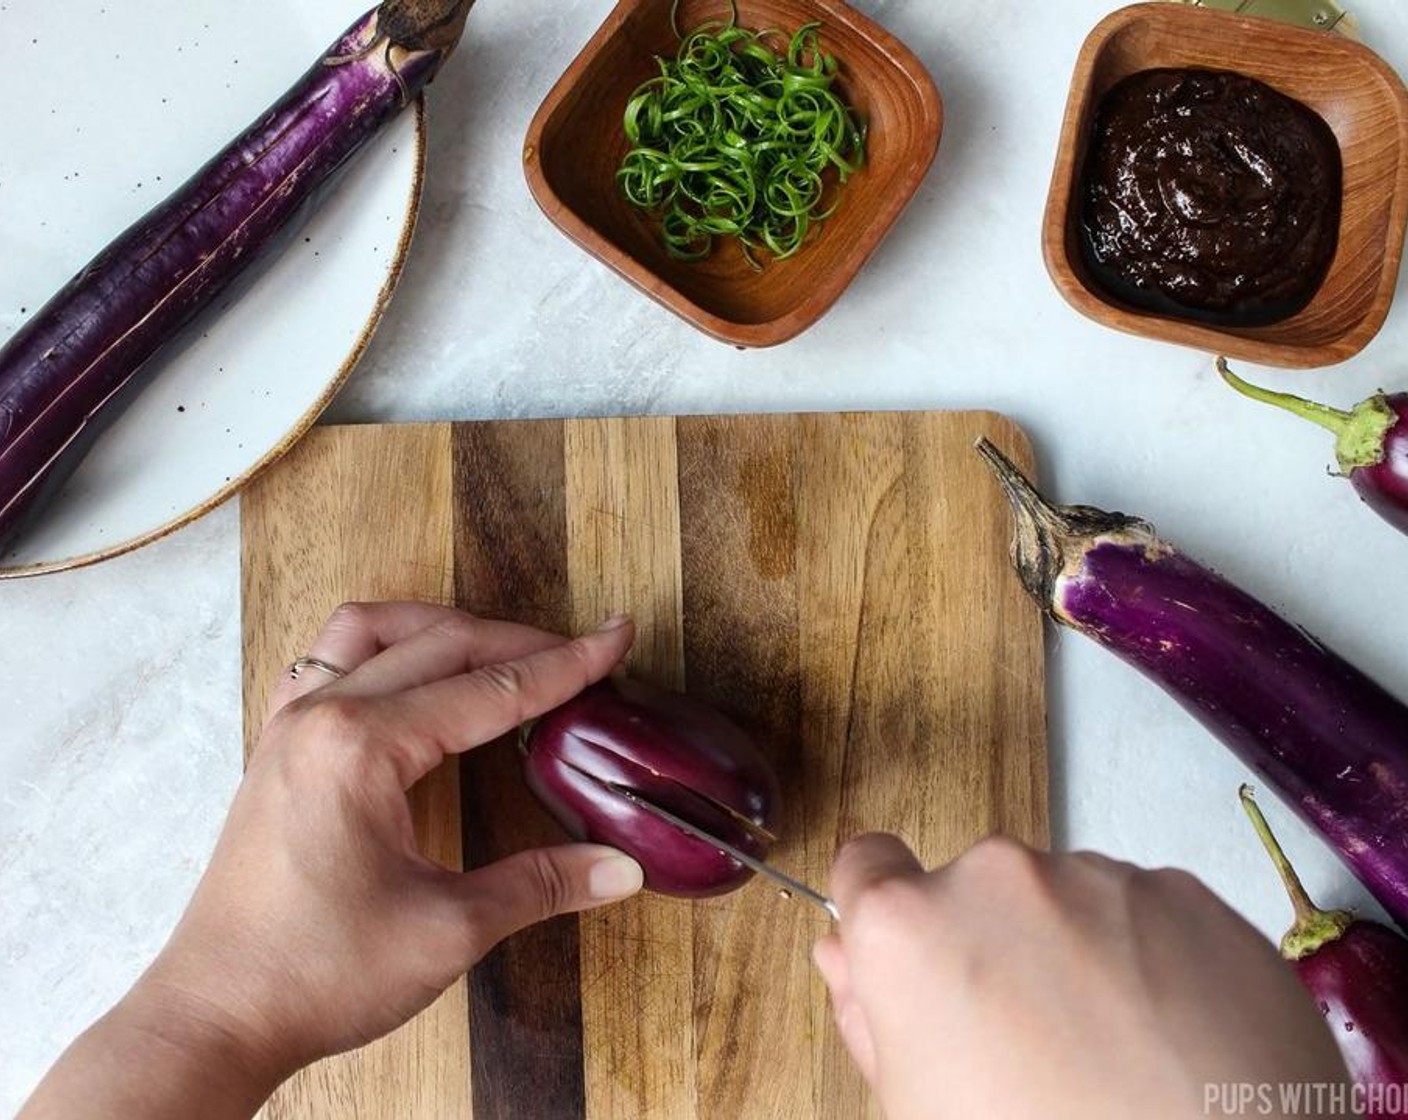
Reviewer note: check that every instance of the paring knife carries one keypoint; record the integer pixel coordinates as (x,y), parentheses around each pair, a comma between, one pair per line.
(789,885)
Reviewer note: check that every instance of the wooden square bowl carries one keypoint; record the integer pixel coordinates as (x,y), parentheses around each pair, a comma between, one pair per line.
(576,143)
(1361,99)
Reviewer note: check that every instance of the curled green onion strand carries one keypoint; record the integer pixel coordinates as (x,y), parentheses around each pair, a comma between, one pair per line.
(740,135)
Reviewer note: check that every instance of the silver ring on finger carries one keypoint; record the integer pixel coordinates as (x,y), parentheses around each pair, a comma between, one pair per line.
(303,664)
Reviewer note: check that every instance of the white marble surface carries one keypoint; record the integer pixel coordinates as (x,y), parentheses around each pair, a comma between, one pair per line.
(119,719)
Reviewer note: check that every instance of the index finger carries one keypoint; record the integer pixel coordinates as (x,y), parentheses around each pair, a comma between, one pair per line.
(444,649)
(353,634)
(867,861)
(452,715)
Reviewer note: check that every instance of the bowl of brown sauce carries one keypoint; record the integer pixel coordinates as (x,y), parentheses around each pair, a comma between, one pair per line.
(1230,183)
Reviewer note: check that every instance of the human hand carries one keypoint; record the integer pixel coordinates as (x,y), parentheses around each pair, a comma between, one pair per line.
(318,925)
(1015,983)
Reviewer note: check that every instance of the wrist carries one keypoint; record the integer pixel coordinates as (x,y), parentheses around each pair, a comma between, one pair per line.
(160,1054)
(213,1054)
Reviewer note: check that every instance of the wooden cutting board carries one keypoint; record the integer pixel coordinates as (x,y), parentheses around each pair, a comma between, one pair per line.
(838,583)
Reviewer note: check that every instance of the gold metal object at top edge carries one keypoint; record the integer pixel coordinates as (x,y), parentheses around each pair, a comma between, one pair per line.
(1318,15)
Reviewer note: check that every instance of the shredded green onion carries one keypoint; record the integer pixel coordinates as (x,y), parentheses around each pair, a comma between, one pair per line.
(741,135)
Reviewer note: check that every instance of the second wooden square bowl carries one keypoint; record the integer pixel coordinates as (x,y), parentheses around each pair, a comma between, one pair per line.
(1361,99)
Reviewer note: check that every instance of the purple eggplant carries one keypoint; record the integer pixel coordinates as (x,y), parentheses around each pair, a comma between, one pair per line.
(1357,970)
(1371,442)
(671,751)
(1326,737)
(67,370)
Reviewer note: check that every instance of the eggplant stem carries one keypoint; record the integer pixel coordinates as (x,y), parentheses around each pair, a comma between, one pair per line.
(1313,926)
(1359,433)
(1331,419)
(1046,537)
(424,25)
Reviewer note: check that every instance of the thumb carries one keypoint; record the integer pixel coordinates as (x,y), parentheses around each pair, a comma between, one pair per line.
(541,883)
(830,958)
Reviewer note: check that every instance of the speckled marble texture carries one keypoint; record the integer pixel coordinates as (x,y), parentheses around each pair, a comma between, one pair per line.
(120,720)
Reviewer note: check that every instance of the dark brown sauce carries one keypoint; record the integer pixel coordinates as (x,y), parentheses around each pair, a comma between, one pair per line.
(1209,196)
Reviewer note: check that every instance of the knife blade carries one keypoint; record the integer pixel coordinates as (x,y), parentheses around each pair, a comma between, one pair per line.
(790,885)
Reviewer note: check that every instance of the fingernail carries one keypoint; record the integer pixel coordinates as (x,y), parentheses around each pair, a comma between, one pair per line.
(615,622)
(615,877)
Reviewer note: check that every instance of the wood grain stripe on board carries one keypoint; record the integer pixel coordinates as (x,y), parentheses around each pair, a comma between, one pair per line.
(752,970)
(525,1011)
(983,712)
(637,958)
(856,640)
(359,514)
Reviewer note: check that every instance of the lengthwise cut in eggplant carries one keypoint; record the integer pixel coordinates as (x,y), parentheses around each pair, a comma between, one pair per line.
(63,373)
(670,750)
(1322,734)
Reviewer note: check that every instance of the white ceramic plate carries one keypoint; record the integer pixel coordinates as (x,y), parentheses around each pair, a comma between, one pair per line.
(110,106)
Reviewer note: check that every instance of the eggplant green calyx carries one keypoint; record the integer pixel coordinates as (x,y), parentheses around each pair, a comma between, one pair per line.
(1314,928)
(424,25)
(1048,539)
(1359,433)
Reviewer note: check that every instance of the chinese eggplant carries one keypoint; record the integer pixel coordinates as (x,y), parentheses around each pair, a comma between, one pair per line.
(1357,970)
(1324,735)
(1371,442)
(64,372)
(670,750)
